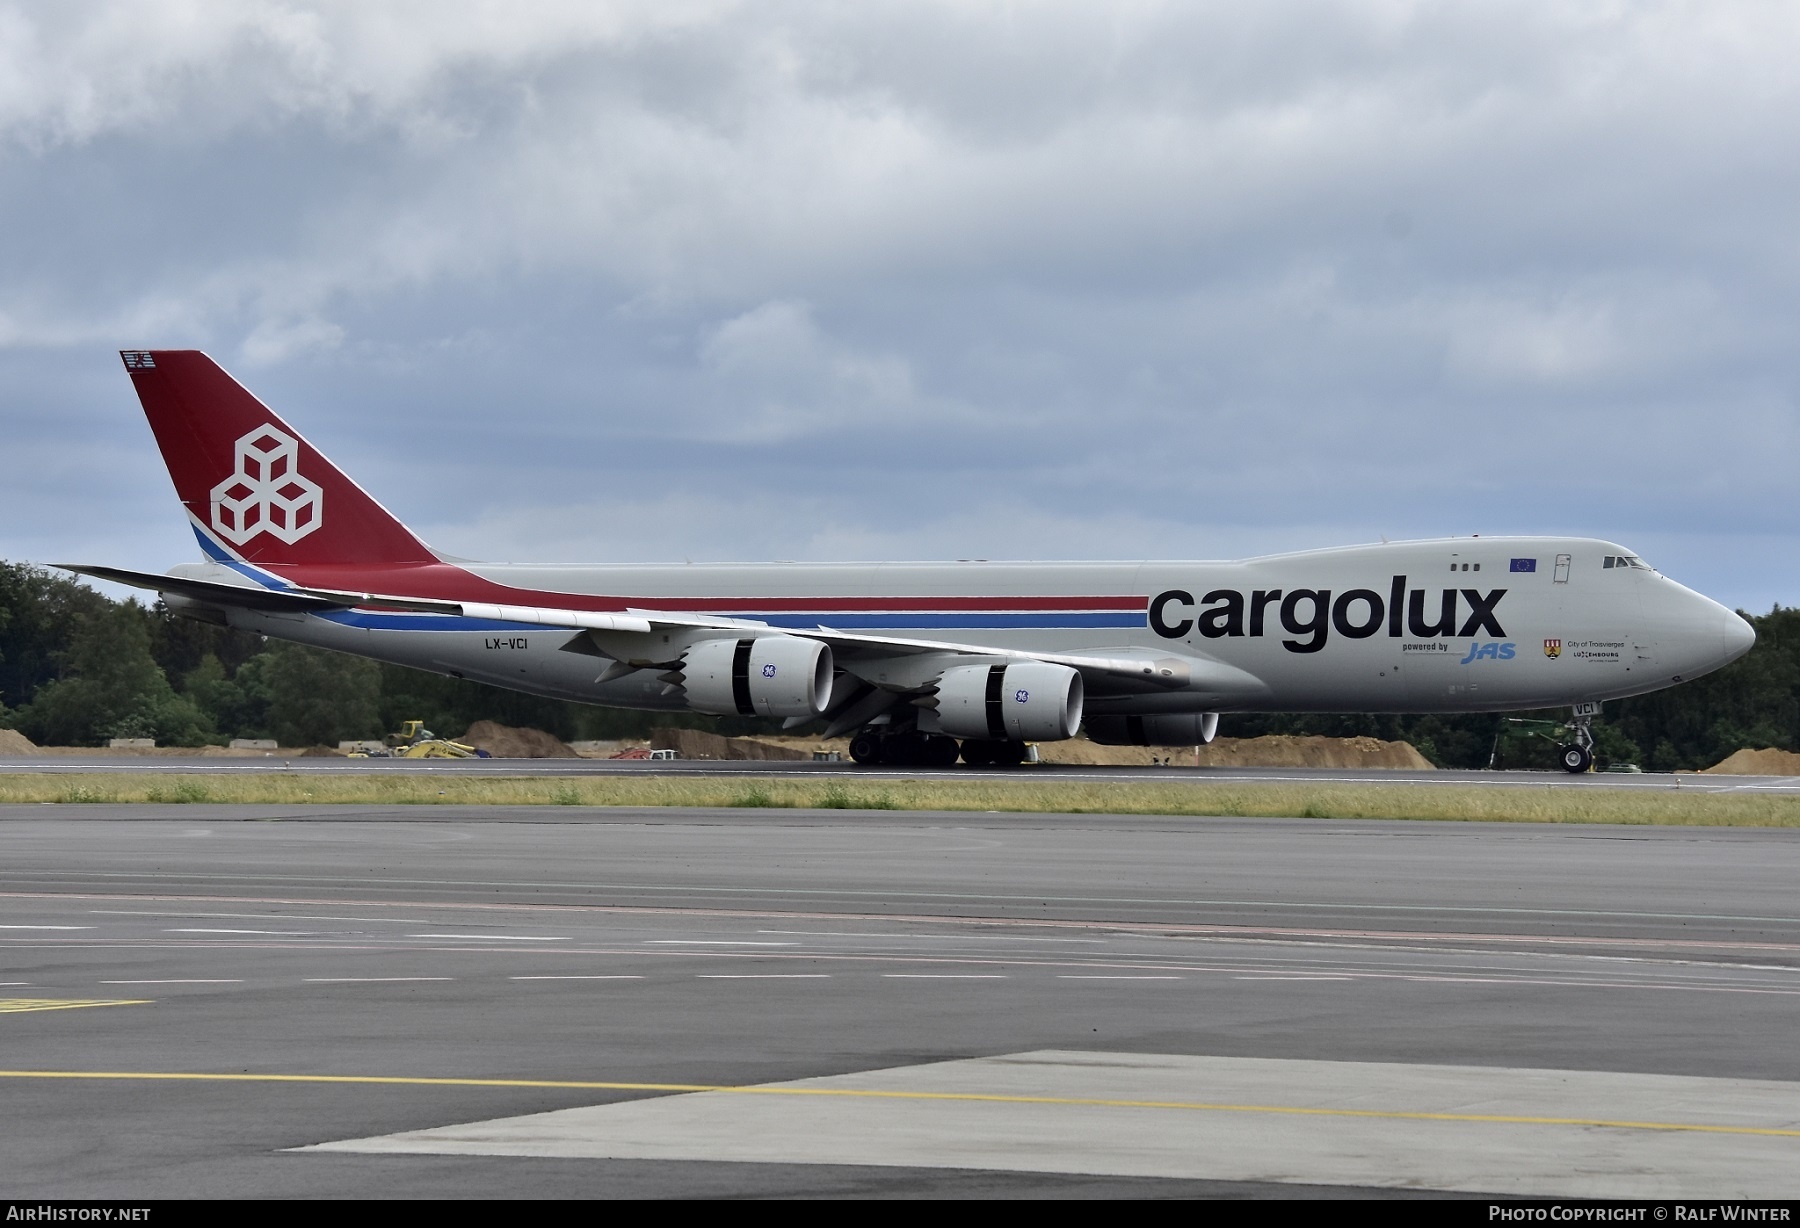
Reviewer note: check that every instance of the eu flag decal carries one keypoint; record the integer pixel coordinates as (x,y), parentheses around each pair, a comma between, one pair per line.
(1524,564)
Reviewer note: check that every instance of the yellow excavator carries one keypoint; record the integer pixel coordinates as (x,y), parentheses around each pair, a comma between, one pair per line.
(414,741)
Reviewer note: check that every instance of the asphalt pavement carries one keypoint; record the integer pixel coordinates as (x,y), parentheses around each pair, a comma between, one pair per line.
(473,1002)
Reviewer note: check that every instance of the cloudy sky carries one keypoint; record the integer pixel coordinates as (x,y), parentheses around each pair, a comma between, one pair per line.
(712,280)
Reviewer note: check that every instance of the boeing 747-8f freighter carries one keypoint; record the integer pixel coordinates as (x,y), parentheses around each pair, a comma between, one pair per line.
(922,662)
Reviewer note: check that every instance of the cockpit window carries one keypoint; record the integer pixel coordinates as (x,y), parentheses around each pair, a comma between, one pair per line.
(1626,560)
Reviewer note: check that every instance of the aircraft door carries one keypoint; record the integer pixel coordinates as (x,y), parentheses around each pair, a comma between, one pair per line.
(1428,680)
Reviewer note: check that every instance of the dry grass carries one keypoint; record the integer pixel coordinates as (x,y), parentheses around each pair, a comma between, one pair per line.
(1592,803)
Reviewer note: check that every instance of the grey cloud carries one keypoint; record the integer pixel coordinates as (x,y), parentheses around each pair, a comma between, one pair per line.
(926,279)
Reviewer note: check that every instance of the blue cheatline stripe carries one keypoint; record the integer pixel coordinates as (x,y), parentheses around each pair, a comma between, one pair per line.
(217,554)
(970,620)
(428,622)
(934,622)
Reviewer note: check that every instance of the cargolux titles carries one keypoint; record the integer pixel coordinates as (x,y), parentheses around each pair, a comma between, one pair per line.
(1312,614)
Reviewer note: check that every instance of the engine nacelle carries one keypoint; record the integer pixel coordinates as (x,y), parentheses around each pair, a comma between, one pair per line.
(1028,701)
(764,675)
(1162,729)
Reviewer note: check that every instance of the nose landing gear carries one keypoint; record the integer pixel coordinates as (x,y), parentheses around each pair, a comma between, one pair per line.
(1574,756)
(1578,756)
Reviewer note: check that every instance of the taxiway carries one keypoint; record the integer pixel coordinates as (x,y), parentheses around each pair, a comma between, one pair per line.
(466,1002)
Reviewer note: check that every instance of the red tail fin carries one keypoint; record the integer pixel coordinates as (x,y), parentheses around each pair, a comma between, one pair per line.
(254,488)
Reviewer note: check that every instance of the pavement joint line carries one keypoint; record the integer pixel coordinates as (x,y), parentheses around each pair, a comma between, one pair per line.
(858,1093)
(1132,927)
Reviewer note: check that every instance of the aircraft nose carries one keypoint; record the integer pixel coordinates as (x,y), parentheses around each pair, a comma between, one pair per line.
(1740,636)
(1698,635)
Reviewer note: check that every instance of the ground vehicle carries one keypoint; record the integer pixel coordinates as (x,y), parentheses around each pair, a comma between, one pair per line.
(414,741)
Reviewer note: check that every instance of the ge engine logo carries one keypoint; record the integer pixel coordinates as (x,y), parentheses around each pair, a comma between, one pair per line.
(267,493)
(1021,697)
(768,671)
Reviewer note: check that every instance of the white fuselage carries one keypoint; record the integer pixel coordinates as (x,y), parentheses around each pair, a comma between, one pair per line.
(1458,625)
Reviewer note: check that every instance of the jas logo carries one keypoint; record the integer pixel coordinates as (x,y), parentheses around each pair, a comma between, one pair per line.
(1553,649)
(1488,652)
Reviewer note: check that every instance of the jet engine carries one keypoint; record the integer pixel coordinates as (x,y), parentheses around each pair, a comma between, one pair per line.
(764,675)
(1162,729)
(1027,701)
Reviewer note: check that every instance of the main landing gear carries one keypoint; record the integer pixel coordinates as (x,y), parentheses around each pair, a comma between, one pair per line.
(913,749)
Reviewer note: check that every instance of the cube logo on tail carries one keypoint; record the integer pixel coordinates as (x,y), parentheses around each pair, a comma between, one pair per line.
(266,494)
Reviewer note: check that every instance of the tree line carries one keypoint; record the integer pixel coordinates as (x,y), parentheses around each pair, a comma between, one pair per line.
(77,668)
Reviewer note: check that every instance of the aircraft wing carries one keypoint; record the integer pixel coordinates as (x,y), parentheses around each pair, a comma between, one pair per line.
(324,600)
(1105,671)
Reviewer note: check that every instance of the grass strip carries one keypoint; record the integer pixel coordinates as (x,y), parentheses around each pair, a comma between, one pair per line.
(1589,803)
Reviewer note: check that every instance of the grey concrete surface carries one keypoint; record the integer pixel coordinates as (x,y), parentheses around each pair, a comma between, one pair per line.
(1557,1133)
(500,960)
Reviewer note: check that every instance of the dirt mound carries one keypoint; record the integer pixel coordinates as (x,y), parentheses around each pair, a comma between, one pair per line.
(12,742)
(505,742)
(319,752)
(1288,750)
(1765,762)
(698,744)
(1274,750)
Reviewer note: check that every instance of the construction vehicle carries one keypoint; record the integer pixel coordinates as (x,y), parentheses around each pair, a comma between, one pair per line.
(414,741)
(1574,751)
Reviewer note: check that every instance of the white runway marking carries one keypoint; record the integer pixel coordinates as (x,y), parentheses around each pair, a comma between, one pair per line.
(601,976)
(496,937)
(1070,976)
(180,981)
(944,976)
(269,933)
(353,980)
(930,937)
(46,927)
(1535,1133)
(710,942)
(254,916)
